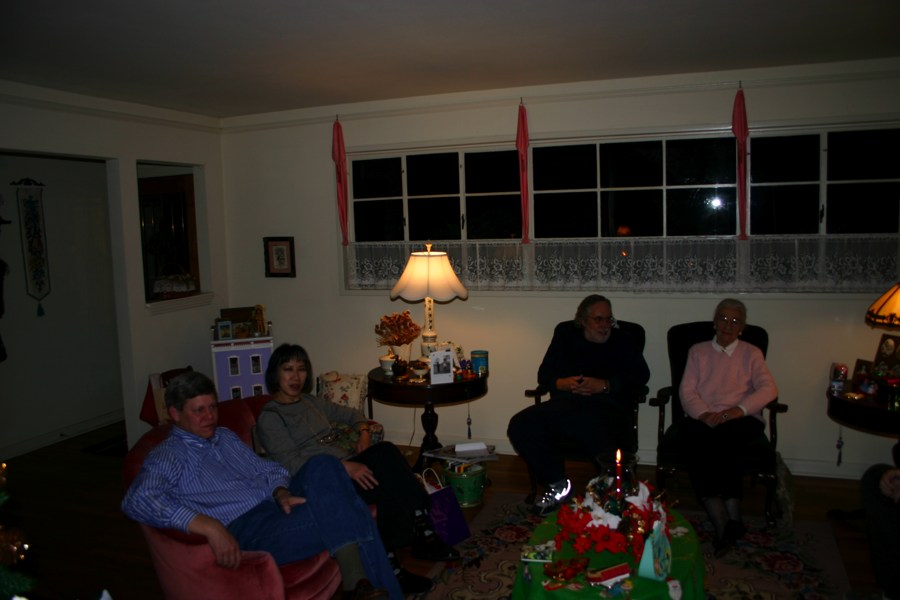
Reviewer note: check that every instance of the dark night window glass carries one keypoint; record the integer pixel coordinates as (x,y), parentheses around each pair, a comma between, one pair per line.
(565,215)
(701,211)
(564,167)
(377,178)
(378,220)
(784,159)
(494,217)
(631,164)
(863,208)
(864,155)
(632,213)
(432,174)
(488,172)
(700,162)
(784,209)
(434,218)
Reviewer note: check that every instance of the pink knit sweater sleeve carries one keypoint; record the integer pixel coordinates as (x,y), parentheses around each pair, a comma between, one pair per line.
(714,381)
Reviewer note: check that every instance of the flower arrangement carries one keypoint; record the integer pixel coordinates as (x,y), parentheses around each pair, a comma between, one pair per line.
(609,518)
(396,329)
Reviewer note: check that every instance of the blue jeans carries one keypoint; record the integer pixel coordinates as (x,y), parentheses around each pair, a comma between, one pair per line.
(333,516)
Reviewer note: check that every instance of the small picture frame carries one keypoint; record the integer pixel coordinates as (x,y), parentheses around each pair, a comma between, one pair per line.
(223,330)
(279,253)
(441,366)
(887,357)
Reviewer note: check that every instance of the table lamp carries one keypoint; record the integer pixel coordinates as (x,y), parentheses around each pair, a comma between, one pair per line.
(428,276)
(885,312)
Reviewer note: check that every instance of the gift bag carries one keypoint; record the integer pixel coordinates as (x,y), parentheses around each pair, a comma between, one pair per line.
(445,515)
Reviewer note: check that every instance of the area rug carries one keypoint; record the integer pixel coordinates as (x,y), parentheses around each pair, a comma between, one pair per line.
(490,557)
(801,563)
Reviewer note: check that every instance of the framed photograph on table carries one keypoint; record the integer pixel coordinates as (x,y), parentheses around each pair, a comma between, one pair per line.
(441,366)
(279,252)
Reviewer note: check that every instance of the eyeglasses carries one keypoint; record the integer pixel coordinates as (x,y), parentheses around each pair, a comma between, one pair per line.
(601,319)
(733,320)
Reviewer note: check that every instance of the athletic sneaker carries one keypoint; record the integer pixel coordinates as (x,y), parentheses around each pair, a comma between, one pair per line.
(552,499)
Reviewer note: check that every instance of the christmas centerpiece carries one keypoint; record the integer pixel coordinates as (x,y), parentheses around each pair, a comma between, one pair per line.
(619,514)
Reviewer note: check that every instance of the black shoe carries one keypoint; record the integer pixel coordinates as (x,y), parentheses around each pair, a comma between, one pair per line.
(431,547)
(721,546)
(412,584)
(734,530)
(364,590)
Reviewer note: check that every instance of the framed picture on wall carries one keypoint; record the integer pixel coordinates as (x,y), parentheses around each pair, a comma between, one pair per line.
(279,253)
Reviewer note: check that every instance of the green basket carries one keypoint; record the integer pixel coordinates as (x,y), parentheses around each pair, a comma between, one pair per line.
(468,486)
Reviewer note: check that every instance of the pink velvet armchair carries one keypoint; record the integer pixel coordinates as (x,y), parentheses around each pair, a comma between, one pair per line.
(185,564)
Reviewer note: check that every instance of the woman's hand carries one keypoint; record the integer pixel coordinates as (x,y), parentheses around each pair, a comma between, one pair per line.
(364,441)
(360,474)
(714,419)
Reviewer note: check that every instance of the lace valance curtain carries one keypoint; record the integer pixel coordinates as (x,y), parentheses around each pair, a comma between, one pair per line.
(772,264)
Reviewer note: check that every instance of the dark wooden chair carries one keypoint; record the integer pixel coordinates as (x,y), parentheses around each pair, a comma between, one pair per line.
(759,461)
(567,447)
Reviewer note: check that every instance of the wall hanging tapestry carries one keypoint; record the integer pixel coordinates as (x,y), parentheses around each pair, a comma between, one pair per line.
(34,240)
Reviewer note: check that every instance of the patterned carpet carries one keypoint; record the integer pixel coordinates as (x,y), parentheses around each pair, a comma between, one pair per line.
(798,564)
(803,563)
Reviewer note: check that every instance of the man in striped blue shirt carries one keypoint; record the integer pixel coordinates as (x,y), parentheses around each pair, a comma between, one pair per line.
(203,479)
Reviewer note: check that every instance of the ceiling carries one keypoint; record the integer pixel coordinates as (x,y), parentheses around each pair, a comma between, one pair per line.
(224,58)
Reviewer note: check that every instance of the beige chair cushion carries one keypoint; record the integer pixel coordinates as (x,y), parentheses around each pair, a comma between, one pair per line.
(344,389)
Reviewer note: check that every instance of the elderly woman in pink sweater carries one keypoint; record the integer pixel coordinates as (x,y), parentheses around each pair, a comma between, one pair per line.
(725,386)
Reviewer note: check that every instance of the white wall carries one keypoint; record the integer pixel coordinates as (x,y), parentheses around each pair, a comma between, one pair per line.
(42,121)
(280,181)
(54,359)
(271,175)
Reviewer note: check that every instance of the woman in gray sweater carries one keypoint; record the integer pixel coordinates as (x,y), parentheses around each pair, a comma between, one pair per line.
(296,425)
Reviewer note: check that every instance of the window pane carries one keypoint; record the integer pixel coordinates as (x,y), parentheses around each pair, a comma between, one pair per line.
(494,217)
(863,208)
(378,220)
(864,155)
(565,215)
(492,171)
(564,167)
(434,218)
(784,209)
(432,174)
(377,178)
(631,164)
(706,211)
(699,162)
(781,159)
(632,213)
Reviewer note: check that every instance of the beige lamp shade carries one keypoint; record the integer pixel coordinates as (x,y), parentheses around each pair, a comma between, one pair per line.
(429,276)
(885,312)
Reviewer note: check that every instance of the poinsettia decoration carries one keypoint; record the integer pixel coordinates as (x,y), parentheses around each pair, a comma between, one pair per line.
(603,519)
